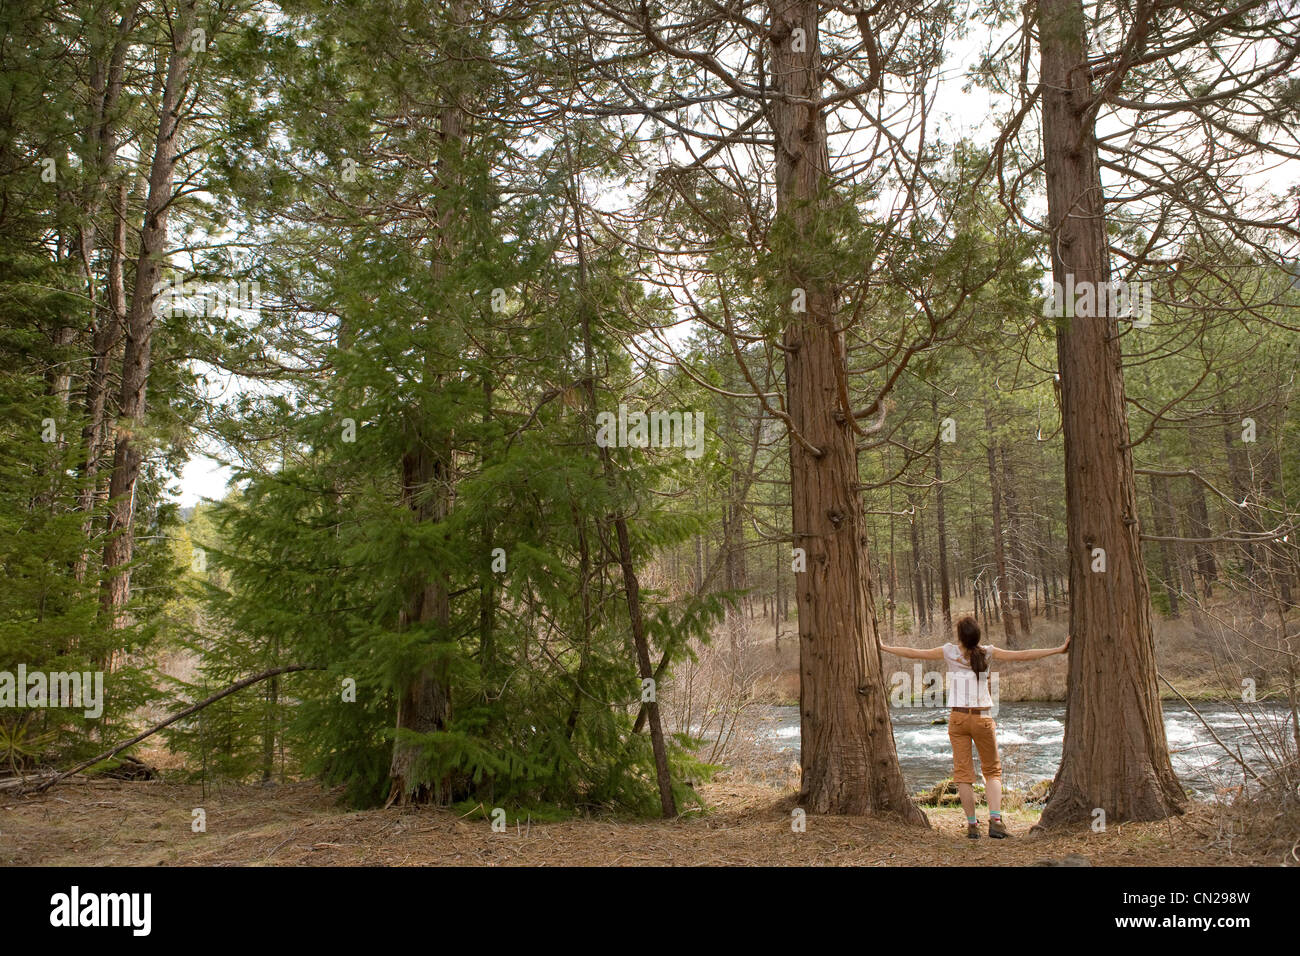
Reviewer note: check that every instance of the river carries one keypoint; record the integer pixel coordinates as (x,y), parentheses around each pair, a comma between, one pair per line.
(1029,742)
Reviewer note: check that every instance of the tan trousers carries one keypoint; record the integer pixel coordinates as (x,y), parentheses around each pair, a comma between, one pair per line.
(965,729)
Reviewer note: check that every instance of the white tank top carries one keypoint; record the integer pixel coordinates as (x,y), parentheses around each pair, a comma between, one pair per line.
(962,689)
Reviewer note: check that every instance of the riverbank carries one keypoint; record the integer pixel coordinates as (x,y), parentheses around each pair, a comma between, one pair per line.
(123,823)
(1192,661)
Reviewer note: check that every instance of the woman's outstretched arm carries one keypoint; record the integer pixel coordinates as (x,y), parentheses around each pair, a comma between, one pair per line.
(1002,654)
(918,653)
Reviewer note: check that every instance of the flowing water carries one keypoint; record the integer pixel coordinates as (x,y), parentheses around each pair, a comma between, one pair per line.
(1029,741)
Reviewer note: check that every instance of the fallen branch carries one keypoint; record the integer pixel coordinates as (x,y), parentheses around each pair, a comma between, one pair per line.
(238,685)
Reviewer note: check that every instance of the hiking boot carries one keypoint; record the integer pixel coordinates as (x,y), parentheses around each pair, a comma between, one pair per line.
(997,831)
(972,831)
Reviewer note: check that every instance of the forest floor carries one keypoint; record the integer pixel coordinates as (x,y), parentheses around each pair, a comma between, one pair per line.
(748,821)
(123,823)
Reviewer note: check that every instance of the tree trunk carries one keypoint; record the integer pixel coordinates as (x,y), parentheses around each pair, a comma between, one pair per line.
(945,597)
(929,577)
(1179,551)
(1199,519)
(1018,570)
(1114,756)
(999,553)
(487,600)
(914,571)
(631,586)
(428,483)
(107,74)
(1164,523)
(893,577)
(105,334)
(269,728)
(699,557)
(136,357)
(1238,475)
(424,703)
(848,756)
(1047,597)
(733,543)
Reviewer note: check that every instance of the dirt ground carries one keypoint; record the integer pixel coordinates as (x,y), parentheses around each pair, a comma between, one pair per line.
(122,823)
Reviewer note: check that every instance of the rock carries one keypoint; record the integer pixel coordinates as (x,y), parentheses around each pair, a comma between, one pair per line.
(943,792)
(1039,792)
(1070,859)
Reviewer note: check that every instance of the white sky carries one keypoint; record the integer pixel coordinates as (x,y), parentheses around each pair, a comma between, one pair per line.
(202,477)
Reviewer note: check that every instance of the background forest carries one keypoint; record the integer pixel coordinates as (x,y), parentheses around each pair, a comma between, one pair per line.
(392,268)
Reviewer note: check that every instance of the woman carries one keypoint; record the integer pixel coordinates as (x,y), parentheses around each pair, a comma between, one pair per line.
(969,720)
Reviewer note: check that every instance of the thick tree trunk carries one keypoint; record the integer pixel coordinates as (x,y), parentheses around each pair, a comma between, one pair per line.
(107,74)
(848,756)
(424,704)
(428,487)
(1114,756)
(137,355)
(105,335)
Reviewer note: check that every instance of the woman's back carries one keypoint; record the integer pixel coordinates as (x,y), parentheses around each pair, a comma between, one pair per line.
(962,685)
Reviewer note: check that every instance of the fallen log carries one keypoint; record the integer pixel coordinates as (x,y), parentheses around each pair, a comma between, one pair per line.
(193,709)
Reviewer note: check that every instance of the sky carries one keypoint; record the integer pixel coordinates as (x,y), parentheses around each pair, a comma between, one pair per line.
(202,477)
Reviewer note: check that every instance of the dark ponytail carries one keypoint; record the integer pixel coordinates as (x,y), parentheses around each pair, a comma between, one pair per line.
(968,632)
